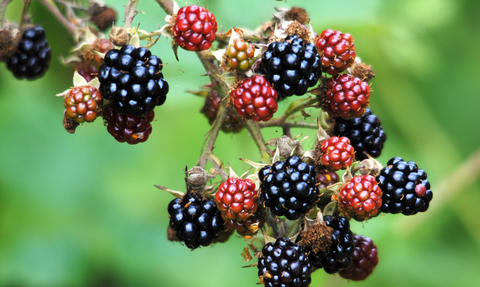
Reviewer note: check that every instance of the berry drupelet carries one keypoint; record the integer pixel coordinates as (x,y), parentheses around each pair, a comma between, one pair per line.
(132,79)
(284,263)
(33,55)
(194,28)
(405,187)
(129,127)
(364,259)
(195,219)
(291,66)
(365,133)
(288,187)
(339,254)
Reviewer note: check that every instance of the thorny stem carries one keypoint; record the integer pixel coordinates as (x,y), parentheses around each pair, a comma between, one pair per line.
(23,20)
(130,13)
(277,123)
(217,125)
(3,8)
(70,27)
(257,136)
(71,5)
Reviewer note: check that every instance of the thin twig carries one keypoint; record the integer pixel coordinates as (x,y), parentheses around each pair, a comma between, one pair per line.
(72,5)
(130,13)
(70,27)
(3,8)
(277,123)
(167,5)
(23,19)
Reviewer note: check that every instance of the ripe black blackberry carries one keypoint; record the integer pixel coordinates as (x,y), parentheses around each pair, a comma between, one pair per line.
(405,188)
(339,255)
(195,219)
(291,66)
(365,133)
(284,263)
(288,187)
(33,55)
(132,79)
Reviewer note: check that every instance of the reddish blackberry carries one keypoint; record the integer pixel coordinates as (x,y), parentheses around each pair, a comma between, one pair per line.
(255,99)
(288,187)
(194,28)
(195,219)
(83,104)
(291,66)
(405,187)
(231,124)
(338,255)
(365,133)
(337,50)
(360,198)
(33,55)
(237,198)
(336,153)
(346,96)
(128,128)
(132,79)
(365,259)
(284,263)
(240,55)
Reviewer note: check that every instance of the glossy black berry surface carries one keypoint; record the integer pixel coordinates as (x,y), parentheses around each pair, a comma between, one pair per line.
(195,219)
(33,55)
(339,255)
(291,66)
(284,263)
(365,133)
(132,79)
(288,187)
(405,187)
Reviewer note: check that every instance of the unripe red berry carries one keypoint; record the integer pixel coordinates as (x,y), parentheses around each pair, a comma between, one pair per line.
(337,153)
(347,96)
(83,104)
(194,28)
(337,51)
(237,198)
(361,198)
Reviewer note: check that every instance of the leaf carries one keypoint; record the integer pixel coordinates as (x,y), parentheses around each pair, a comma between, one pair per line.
(231,172)
(330,209)
(94,83)
(79,80)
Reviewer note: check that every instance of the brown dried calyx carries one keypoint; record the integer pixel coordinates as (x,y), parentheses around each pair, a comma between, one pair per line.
(69,125)
(297,14)
(118,36)
(103,16)
(316,238)
(295,28)
(363,71)
(8,45)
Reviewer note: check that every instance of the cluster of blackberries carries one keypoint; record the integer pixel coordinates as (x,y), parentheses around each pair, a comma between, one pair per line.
(33,55)
(405,187)
(291,66)
(132,79)
(288,187)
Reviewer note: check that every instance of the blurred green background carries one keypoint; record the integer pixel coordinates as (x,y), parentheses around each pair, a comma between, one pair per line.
(81,210)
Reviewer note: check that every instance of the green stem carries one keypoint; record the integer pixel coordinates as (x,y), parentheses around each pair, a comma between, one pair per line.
(213,134)
(278,123)
(23,19)
(256,134)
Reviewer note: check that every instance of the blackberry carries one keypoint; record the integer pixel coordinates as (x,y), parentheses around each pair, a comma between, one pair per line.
(33,55)
(284,263)
(365,259)
(365,133)
(132,79)
(128,128)
(288,187)
(338,255)
(195,219)
(405,187)
(292,66)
